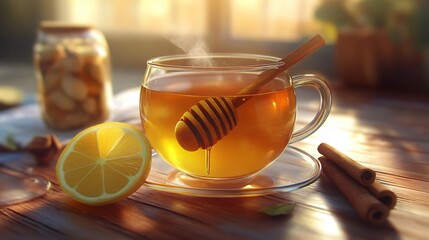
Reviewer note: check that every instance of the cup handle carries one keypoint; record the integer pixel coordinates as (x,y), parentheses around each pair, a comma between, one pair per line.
(322,87)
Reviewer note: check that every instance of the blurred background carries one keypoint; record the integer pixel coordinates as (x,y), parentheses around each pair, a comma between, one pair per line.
(372,44)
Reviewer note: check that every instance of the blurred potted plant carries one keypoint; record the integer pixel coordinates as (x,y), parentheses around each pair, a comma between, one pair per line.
(376,43)
(419,28)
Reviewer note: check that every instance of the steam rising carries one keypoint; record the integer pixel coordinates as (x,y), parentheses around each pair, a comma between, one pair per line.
(193,46)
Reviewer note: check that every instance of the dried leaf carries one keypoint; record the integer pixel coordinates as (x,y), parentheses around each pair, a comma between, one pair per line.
(10,143)
(279,209)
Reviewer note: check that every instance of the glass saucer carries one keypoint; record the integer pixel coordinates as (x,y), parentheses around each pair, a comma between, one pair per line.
(17,182)
(293,170)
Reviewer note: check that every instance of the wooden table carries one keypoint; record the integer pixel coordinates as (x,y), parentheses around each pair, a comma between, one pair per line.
(386,132)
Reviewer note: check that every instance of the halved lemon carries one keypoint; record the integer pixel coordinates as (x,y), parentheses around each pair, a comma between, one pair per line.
(104,163)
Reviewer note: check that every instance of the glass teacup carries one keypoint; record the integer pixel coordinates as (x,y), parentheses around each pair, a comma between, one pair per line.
(239,133)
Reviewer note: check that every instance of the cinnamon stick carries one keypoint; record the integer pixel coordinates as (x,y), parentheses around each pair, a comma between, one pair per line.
(369,208)
(383,194)
(44,148)
(363,175)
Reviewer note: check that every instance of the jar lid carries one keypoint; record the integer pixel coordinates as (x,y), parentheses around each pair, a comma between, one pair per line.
(56,26)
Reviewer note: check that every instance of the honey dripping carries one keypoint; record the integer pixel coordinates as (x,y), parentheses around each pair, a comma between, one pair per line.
(207,152)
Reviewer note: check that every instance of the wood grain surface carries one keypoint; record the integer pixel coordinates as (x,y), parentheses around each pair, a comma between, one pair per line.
(388,133)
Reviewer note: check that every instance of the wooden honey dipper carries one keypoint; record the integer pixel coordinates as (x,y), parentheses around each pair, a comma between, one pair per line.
(208,121)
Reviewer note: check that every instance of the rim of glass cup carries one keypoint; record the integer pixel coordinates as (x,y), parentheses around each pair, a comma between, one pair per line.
(265,62)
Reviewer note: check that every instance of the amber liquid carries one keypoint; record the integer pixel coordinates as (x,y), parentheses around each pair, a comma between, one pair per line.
(265,122)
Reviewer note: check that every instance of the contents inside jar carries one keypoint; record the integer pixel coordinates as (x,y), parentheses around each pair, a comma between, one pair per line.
(74,83)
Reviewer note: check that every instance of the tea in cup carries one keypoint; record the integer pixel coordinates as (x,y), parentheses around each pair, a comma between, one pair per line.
(198,118)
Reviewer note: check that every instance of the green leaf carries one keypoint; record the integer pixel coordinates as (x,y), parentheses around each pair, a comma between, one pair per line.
(10,143)
(279,209)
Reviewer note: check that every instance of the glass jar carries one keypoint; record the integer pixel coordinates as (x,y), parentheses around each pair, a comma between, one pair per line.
(72,66)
